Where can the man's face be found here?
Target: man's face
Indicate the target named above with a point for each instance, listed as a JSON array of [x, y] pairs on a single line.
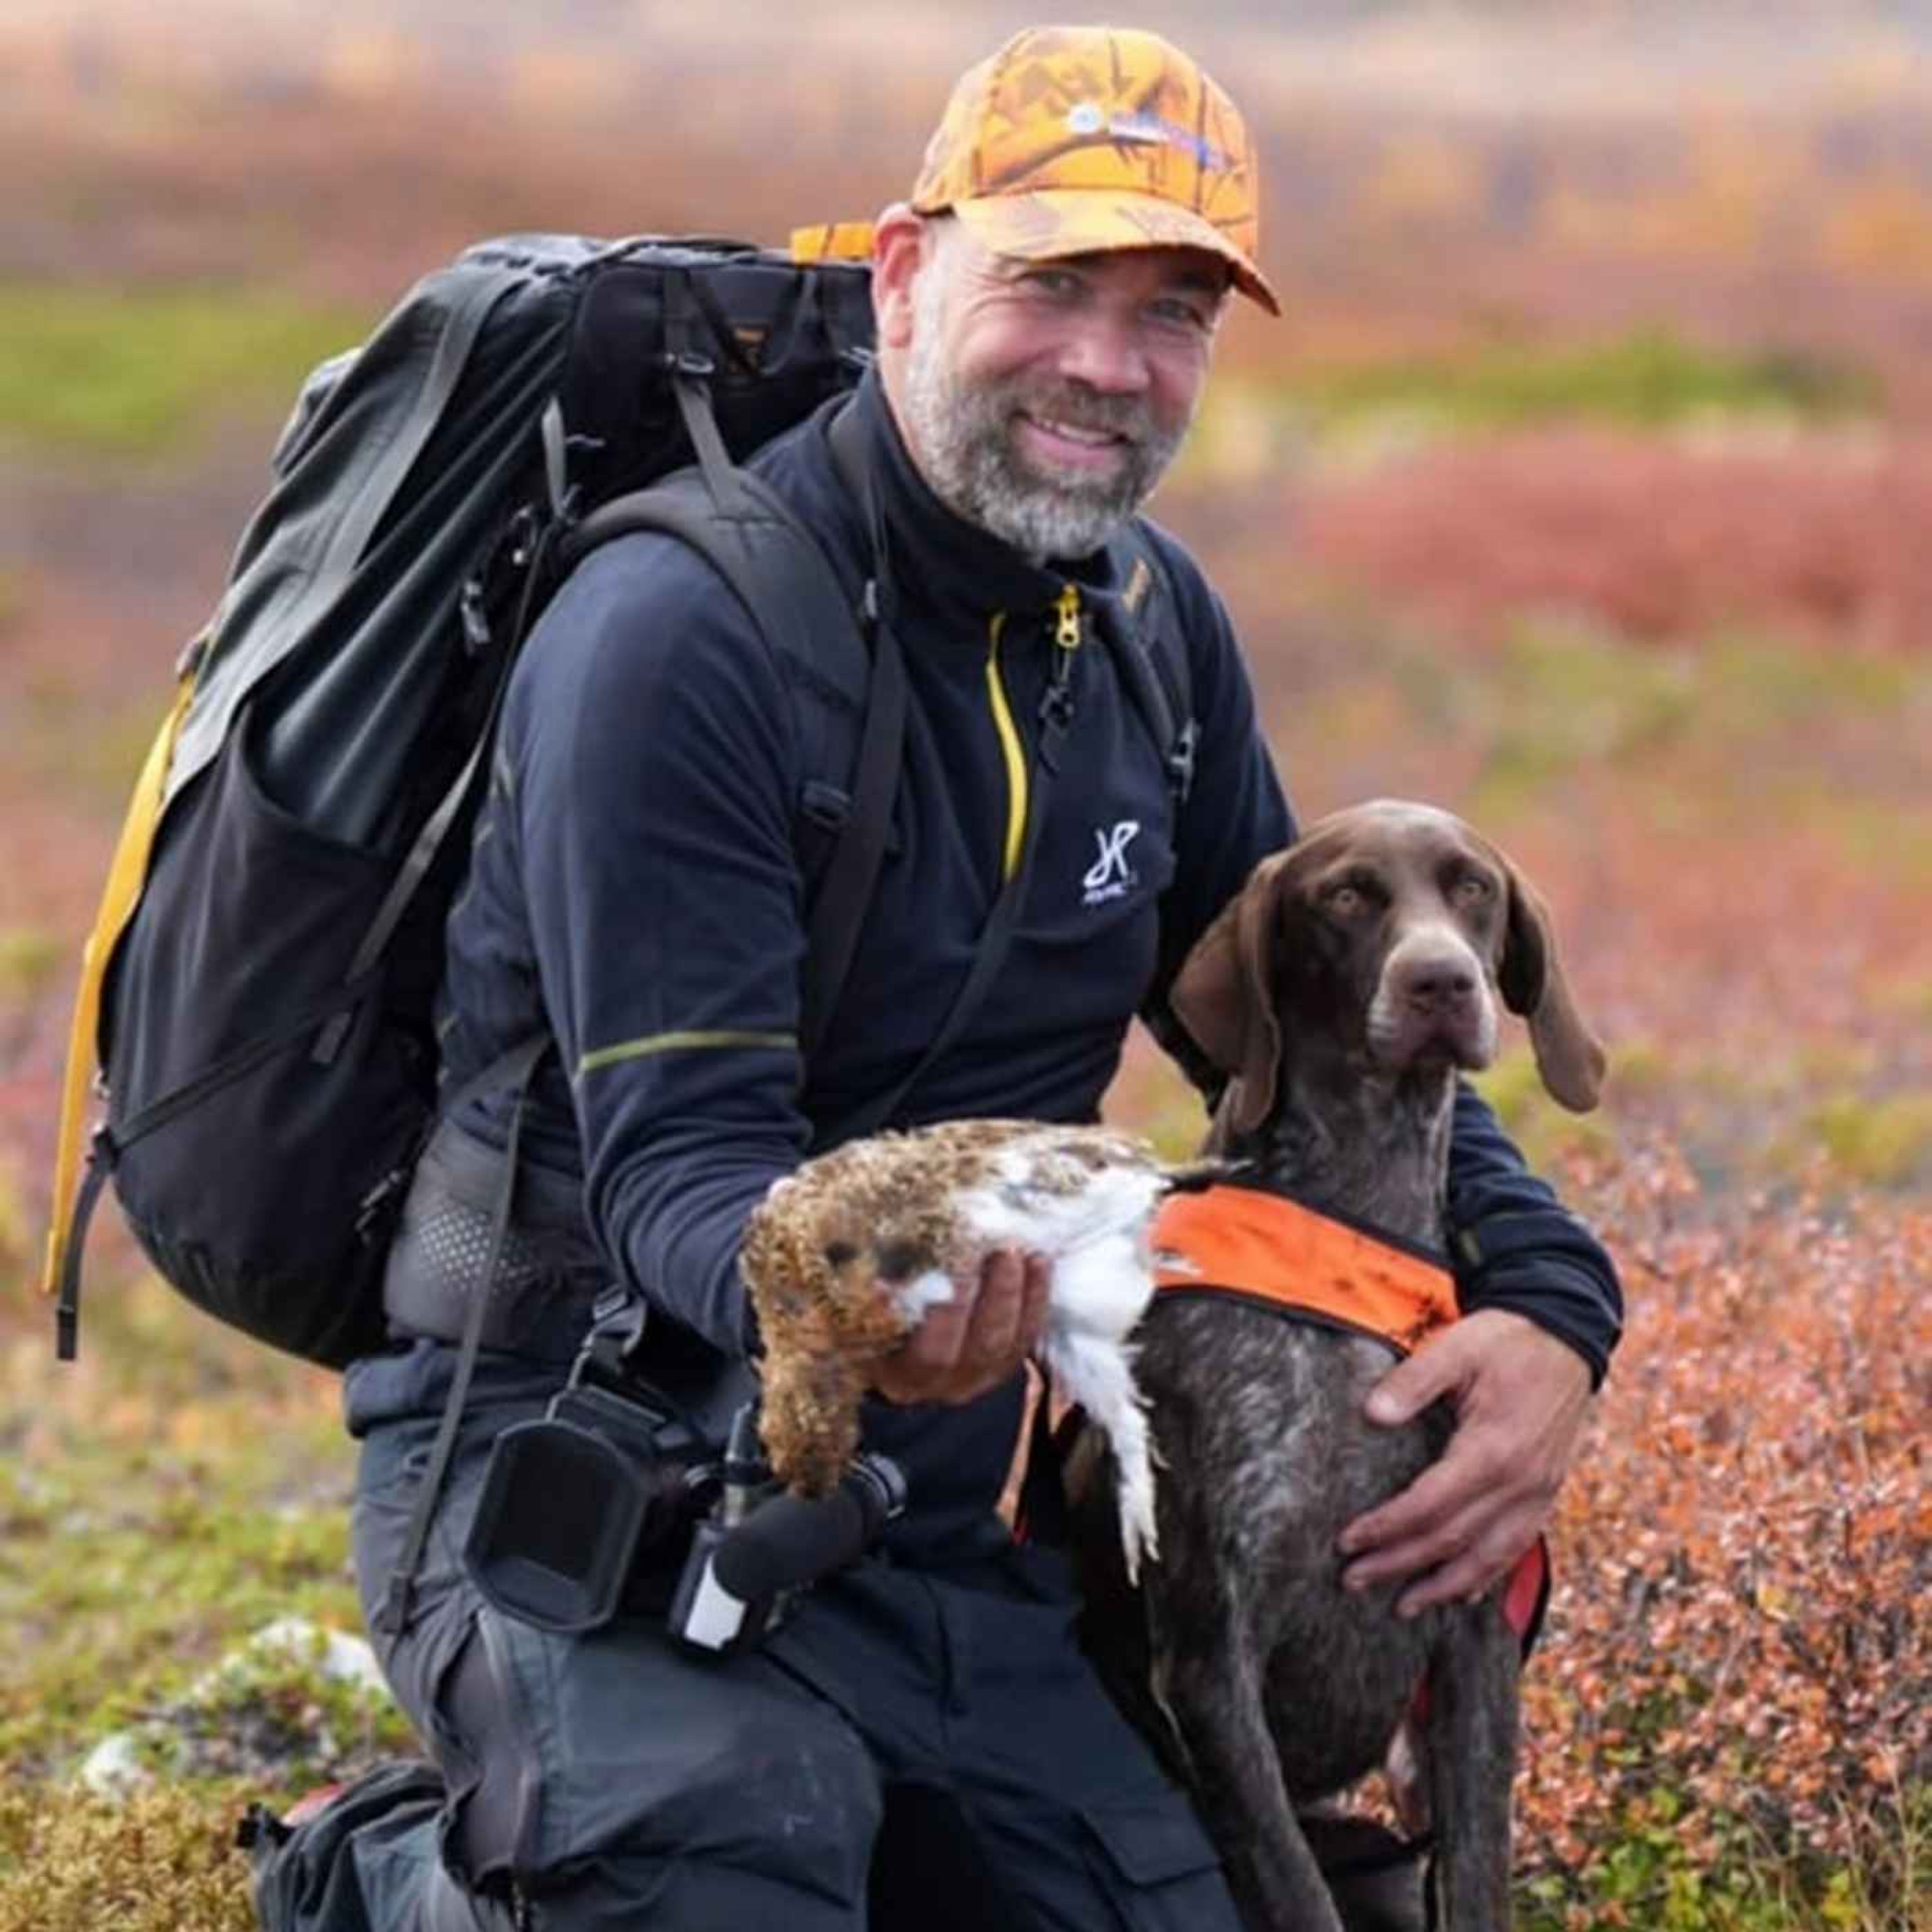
[[1044, 400]]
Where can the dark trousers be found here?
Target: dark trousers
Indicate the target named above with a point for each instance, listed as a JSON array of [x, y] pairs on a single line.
[[919, 1748]]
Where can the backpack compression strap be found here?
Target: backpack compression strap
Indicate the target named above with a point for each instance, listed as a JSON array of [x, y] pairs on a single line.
[[118, 898], [1152, 658]]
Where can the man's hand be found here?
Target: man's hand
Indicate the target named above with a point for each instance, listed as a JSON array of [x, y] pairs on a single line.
[[976, 1340], [1520, 1397]]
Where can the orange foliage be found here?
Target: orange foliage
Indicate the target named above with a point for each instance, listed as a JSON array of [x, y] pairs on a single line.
[[1745, 1548]]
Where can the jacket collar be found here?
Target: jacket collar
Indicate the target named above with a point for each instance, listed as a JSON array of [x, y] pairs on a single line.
[[949, 568]]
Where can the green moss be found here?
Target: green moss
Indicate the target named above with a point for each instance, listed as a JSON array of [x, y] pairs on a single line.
[[272, 1712], [31, 958], [165, 1861], [1909, 997], [1725, 1876], [1175, 1120], [1871, 1142], [120, 1585], [1546, 1132], [1876, 835], [1650, 379], [74, 743], [99, 371], [17, 1231], [1752, 682], [1641, 1068], [1561, 697]]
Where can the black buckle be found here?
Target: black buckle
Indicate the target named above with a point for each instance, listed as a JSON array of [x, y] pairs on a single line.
[[1180, 761], [617, 1319]]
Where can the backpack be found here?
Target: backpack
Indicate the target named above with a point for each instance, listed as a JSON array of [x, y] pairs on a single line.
[[258, 986]]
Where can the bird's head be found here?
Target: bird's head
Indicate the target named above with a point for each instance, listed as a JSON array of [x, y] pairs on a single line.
[[898, 1251]]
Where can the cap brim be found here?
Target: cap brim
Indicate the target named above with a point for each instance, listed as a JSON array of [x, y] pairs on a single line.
[[1050, 223]]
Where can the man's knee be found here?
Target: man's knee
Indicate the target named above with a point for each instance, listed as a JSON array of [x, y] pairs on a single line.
[[778, 1832], [770, 1805], [682, 1784]]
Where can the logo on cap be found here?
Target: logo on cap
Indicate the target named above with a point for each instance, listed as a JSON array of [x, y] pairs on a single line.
[[1088, 119]]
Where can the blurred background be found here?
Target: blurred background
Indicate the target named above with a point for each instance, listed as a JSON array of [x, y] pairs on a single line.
[[1585, 487]]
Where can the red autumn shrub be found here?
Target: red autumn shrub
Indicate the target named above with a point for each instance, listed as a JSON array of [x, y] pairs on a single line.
[[1738, 1642], [1822, 536]]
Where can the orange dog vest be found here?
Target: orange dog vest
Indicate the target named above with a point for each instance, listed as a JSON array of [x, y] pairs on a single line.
[[1234, 1242]]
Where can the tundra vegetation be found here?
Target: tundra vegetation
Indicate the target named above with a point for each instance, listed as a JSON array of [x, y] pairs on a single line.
[[1584, 491]]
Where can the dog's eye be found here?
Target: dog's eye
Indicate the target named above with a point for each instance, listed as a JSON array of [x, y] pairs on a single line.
[[840, 1254], [1471, 889], [1350, 898]]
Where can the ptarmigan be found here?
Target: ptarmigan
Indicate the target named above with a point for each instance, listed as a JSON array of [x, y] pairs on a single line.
[[844, 1258]]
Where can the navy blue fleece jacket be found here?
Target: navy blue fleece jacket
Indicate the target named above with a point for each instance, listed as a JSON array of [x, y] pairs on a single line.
[[637, 887]]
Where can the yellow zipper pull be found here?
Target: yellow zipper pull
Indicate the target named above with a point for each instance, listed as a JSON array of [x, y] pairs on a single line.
[[1066, 607]]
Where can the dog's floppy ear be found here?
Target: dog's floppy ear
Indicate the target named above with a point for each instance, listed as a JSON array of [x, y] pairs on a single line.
[[1531, 981], [1223, 994]]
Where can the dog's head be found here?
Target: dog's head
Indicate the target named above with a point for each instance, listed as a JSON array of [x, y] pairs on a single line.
[[1384, 934]]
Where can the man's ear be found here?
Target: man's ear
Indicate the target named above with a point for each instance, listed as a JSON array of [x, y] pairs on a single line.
[[901, 244]]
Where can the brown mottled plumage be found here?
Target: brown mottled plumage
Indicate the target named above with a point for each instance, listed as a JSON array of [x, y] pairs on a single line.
[[844, 1257]]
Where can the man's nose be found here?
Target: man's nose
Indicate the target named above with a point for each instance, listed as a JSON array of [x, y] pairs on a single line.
[[1106, 353]]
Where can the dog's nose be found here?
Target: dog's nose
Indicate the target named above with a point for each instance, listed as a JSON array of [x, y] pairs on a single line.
[[1437, 983]]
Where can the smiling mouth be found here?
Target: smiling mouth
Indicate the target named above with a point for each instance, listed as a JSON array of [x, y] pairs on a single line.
[[1072, 443]]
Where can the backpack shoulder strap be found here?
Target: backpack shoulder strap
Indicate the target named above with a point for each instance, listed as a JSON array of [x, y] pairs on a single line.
[[852, 716], [1153, 656]]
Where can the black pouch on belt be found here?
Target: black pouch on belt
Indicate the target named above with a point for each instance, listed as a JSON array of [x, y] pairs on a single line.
[[548, 1273]]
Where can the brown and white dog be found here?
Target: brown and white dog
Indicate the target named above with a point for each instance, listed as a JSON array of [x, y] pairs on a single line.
[[1353, 978]]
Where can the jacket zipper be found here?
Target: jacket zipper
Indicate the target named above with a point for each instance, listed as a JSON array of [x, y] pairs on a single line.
[[1066, 640], [1066, 617]]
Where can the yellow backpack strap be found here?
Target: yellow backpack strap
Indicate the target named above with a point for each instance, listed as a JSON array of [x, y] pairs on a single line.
[[832, 242], [117, 900]]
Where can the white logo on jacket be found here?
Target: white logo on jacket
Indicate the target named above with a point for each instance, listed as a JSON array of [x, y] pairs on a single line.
[[1110, 877]]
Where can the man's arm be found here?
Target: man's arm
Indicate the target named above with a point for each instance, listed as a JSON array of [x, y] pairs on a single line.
[[650, 748], [1542, 1310]]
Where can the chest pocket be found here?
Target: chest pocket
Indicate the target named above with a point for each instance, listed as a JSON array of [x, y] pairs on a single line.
[[1106, 853]]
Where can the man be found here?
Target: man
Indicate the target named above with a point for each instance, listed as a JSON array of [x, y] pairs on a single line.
[[922, 1741]]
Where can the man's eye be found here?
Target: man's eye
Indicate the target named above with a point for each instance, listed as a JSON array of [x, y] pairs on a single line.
[[1180, 313], [1056, 284]]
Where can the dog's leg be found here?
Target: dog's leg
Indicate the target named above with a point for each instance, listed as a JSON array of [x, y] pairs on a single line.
[[1214, 1688], [1472, 1751]]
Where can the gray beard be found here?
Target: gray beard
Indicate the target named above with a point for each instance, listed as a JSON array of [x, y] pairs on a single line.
[[964, 440]]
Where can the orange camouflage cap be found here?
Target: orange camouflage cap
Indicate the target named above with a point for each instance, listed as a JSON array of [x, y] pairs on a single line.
[[1078, 140]]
